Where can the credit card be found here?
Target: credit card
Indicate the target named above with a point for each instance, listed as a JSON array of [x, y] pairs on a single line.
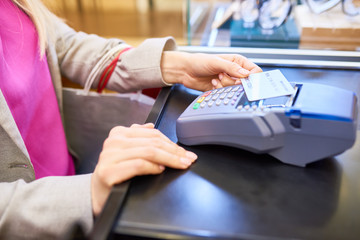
[[266, 85]]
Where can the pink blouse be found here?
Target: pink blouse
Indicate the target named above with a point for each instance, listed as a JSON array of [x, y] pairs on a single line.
[[26, 84]]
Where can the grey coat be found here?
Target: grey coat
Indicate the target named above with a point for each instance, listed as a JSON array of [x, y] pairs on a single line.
[[43, 209]]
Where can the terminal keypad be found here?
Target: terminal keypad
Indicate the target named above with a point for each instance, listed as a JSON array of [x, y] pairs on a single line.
[[235, 97], [228, 96]]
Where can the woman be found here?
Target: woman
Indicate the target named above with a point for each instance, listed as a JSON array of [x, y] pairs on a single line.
[[41, 196]]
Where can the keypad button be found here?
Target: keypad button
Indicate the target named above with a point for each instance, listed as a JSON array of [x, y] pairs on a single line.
[[196, 106], [230, 95], [203, 104], [208, 98], [221, 90], [236, 88], [228, 89], [218, 102], [206, 94], [223, 96], [226, 101], [200, 99], [215, 97], [214, 91], [211, 103]]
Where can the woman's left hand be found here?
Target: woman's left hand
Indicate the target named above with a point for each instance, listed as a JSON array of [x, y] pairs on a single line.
[[205, 71]]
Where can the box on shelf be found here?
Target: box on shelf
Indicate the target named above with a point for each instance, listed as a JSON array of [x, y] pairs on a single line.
[[329, 30]]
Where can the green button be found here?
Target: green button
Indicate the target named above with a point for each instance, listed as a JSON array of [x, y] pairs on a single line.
[[196, 106]]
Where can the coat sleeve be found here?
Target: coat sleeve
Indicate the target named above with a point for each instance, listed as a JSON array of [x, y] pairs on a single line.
[[45, 208], [136, 69]]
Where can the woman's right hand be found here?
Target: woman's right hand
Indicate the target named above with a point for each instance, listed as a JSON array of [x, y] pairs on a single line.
[[129, 152]]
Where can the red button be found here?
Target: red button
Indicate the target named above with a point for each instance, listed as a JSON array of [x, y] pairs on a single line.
[[206, 94]]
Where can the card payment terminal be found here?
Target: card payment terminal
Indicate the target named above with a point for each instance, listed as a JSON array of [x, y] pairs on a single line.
[[315, 122]]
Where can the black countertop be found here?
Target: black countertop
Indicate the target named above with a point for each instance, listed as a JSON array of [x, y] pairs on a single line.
[[230, 193]]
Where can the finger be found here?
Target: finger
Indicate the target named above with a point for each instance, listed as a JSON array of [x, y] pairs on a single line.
[[232, 68], [226, 80], [134, 132], [146, 125], [151, 154], [238, 81], [239, 59], [119, 143], [122, 171], [244, 68], [245, 63], [216, 83], [256, 69], [151, 138]]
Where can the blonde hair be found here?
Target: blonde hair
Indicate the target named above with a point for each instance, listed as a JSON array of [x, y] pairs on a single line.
[[40, 16]]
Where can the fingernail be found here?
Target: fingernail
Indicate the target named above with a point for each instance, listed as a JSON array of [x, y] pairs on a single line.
[[191, 155], [238, 82], [221, 76], [243, 71], [162, 167], [186, 161], [214, 82]]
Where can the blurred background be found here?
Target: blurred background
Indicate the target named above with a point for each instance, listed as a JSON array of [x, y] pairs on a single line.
[[130, 20], [308, 24]]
